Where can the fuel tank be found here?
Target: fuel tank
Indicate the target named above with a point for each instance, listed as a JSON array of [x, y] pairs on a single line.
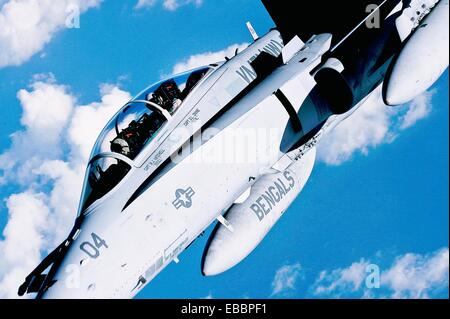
[[252, 220], [422, 60]]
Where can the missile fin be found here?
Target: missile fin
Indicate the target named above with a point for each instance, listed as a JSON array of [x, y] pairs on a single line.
[[225, 223]]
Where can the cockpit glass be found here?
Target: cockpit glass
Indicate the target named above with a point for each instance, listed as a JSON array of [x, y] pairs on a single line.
[[140, 120], [103, 174], [170, 94], [131, 130]]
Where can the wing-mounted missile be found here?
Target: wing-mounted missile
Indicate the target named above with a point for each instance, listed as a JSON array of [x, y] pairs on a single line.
[[425, 54], [251, 221]]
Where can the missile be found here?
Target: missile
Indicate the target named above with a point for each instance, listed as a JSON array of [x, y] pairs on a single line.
[[251, 221], [422, 60]]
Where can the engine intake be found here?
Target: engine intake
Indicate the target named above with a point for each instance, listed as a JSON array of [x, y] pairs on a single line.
[[335, 90]]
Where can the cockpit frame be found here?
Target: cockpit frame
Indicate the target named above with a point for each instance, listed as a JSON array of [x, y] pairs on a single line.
[[164, 112], [113, 155]]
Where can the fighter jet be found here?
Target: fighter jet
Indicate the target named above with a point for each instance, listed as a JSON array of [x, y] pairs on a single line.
[[235, 141]]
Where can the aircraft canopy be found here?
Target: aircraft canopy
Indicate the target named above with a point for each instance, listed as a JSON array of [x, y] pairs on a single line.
[[133, 128]]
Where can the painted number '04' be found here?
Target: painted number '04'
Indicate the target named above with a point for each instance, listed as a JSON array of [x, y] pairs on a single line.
[[92, 249]]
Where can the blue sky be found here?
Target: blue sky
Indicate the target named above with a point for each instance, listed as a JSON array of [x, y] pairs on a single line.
[[378, 194]]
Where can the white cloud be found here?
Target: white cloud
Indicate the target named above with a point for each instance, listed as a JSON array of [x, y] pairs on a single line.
[[47, 160], [285, 279], [145, 4], [88, 120], [170, 5], [341, 280], [66, 181], [24, 239], [371, 125], [409, 276], [206, 58], [418, 276], [47, 107], [418, 109], [26, 26], [173, 5], [367, 127]]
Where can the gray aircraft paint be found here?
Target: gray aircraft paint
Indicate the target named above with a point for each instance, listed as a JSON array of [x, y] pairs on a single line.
[[273, 195]]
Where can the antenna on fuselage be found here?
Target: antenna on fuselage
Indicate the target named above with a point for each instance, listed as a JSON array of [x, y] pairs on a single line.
[[252, 31]]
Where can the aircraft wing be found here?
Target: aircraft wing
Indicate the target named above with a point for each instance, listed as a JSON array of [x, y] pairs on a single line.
[[307, 18]]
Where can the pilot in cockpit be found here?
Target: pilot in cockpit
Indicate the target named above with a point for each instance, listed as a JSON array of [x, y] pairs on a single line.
[[168, 96], [192, 81], [131, 140]]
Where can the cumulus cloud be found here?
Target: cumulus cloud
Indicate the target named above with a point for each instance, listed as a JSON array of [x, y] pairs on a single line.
[[170, 5], [206, 58], [285, 279], [47, 107], [88, 120], [342, 280], [24, 238], [145, 4], [47, 160], [409, 276], [418, 109], [371, 125], [418, 276], [26, 26]]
